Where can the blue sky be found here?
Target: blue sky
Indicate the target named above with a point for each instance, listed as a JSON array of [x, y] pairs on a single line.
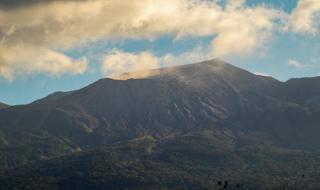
[[283, 54]]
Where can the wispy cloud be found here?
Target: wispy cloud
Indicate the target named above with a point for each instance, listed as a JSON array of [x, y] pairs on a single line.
[[138, 65], [118, 62], [263, 74], [295, 63]]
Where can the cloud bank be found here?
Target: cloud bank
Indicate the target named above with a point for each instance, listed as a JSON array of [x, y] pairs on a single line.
[[47, 28], [24, 61], [305, 17]]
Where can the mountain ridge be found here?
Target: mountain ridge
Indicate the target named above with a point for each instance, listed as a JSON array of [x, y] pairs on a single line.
[[2, 105], [211, 90], [226, 110], [159, 71]]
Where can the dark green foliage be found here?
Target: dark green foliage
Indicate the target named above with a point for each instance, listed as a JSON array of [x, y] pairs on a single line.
[[146, 164]]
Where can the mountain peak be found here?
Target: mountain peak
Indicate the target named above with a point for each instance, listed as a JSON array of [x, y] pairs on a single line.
[[211, 74]]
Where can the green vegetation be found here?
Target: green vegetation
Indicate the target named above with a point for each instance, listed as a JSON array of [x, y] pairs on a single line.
[[190, 162]]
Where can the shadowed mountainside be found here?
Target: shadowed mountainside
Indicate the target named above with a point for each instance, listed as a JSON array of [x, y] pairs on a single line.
[[211, 115], [2, 105]]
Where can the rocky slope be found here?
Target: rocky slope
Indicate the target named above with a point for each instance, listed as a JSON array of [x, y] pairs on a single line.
[[228, 111], [2, 105]]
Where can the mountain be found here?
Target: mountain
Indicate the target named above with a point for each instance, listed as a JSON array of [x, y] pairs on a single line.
[[210, 115], [2, 105], [304, 91]]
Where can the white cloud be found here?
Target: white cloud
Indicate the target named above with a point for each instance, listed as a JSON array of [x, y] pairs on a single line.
[[63, 25], [234, 4], [199, 53], [295, 63], [263, 74], [69, 23], [118, 62], [31, 35], [305, 17], [37, 61], [122, 65]]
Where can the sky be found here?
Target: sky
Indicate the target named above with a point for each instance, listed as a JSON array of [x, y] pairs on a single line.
[[62, 45]]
